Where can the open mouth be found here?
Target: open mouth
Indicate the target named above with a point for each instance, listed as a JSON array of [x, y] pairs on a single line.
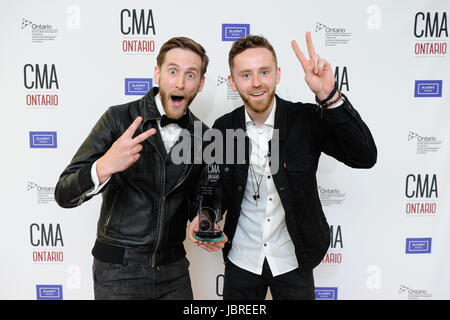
[[177, 101]]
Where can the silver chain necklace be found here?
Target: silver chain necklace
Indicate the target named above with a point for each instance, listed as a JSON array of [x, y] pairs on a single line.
[[256, 181]]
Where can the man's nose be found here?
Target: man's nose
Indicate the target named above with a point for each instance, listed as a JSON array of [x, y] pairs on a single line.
[[180, 82], [256, 81]]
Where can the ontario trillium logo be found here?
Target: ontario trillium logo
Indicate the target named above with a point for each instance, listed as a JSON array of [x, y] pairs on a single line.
[[230, 94], [221, 80], [40, 32], [44, 194], [412, 135], [31, 185], [414, 294], [334, 36], [425, 144], [403, 288], [319, 26], [25, 23]]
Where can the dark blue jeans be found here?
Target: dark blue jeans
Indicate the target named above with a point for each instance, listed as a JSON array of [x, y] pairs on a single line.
[[137, 279], [240, 284]]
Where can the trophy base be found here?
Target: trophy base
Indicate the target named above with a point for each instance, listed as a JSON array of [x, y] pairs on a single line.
[[210, 236]]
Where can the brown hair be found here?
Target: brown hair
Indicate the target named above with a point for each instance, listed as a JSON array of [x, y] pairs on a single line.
[[246, 43], [183, 43]]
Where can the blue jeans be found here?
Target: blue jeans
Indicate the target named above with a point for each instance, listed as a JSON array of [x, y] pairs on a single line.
[[137, 279]]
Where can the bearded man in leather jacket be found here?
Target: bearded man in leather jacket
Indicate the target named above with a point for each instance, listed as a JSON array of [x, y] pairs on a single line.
[[147, 198]]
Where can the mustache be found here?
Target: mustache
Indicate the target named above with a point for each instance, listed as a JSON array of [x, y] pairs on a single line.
[[177, 93], [253, 91]]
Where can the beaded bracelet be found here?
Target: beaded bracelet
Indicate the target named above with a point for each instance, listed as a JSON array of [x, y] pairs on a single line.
[[333, 102], [322, 102]]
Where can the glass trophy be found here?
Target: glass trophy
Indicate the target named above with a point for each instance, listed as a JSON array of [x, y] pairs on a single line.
[[210, 207]]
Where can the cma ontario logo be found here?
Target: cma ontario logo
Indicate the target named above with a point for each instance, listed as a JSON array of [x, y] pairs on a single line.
[[431, 33], [421, 191], [41, 84], [138, 31]]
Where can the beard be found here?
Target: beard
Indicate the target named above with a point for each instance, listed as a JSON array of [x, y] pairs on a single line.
[[167, 99], [259, 106]]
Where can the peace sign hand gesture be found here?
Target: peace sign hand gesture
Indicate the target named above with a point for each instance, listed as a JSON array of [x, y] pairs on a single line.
[[318, 73], [123, 152]]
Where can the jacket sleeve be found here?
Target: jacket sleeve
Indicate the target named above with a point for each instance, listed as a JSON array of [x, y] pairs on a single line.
[[344, 136], [75, 181]]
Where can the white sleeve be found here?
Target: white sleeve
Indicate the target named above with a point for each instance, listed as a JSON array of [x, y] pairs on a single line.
[[335, 105], [94, 178]]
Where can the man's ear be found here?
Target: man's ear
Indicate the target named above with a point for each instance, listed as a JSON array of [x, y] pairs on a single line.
[[232, 84], [156, 75], [202, 83], [278, 75]]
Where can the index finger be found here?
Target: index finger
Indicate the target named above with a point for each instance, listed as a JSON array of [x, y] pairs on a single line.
[[301, 57], [311, 50], [133, 127], [144, 136]]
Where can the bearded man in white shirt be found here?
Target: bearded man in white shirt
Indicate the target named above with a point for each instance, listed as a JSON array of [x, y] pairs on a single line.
[[277, 232]]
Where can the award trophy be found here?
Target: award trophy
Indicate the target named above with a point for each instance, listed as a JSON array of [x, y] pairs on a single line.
[[210, 212]]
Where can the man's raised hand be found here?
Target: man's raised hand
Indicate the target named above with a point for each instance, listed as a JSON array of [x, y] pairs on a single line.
[[318, 72], [123, 152]]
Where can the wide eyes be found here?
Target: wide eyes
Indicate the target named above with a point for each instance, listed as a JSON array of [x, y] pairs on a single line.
[[189, 75]]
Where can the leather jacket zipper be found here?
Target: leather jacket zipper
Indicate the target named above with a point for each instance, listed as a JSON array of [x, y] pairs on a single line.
[[163, 205], [161, 216], [162, 208], [81, 199], [158, 236]]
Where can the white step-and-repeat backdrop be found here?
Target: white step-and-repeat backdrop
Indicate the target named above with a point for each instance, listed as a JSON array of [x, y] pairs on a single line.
[[64, 62]]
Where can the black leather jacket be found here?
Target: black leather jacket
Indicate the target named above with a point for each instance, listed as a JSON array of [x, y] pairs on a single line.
[[147, 205]]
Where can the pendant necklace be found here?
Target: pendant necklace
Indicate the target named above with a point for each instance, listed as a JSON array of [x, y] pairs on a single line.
[[256, 181]]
